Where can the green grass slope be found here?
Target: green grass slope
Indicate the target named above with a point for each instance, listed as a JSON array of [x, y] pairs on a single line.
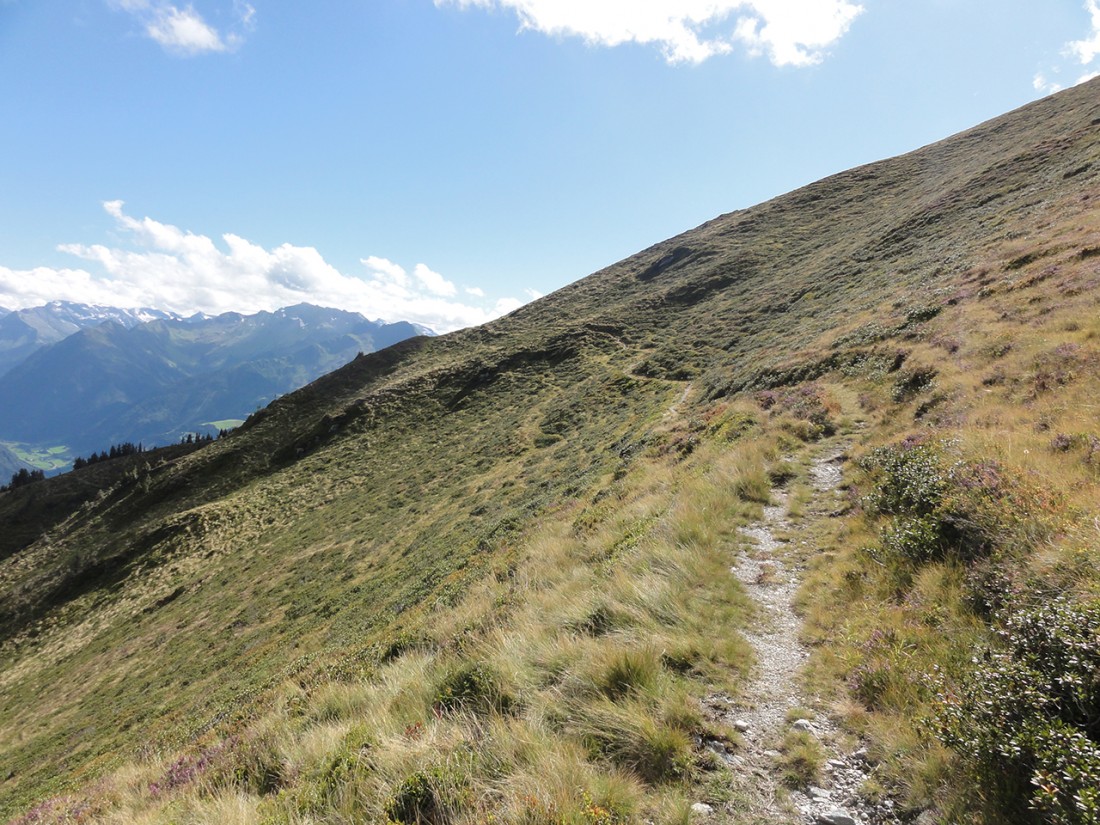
[[482, 577]]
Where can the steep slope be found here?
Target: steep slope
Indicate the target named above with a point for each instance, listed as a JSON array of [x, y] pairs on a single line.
[[154, 381], [486, 573]]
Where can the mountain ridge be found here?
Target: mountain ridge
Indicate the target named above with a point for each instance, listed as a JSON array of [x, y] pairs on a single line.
[[23, 332], [583, 465], [154, 381]]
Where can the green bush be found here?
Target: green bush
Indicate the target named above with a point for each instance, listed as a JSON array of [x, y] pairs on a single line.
[[319, 787], [964, 510], [416, 801], [473, 687], [914, 538], [1027, 720], [907, 479]]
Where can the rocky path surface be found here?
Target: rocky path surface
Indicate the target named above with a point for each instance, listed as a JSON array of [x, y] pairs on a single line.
[[773, 703]]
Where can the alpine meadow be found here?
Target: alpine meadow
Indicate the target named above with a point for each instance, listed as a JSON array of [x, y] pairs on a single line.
[[794, 517]]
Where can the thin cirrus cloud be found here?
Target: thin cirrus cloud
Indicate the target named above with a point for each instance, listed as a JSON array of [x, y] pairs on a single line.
[[788, 32], [182, 30], [165, 267]]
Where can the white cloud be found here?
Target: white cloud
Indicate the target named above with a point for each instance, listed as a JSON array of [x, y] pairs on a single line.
[[1044, 86], [1086, 50], [506, 305], [163, 266], [434, 282], [476, 291], [387, 272], [533, 294], [789, 32], [182, 30], [1085, 53]]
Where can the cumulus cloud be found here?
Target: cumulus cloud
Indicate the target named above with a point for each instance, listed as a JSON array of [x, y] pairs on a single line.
[[162, 266], [1087, 49], [182, 30], [434, 282], [1044, 86], [1084, 53], [789, 32]]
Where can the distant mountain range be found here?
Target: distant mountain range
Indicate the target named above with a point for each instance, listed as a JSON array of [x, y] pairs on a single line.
[[87, 377], [10, 464], [25, 331]]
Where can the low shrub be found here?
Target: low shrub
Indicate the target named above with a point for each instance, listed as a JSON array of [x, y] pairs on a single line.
[[416, 801], [474, 687], [907, 479], [912, 383], [914, 538], [951, 508], [1027, 719], [811, 404]]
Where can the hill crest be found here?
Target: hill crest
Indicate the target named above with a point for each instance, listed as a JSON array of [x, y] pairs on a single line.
[[519, 532]]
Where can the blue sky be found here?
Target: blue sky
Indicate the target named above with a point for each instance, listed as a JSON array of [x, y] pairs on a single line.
[[445, 161]]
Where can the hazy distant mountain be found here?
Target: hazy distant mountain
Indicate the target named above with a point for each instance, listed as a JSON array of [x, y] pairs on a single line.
[[25, 331], [10, 464], [153, 381]]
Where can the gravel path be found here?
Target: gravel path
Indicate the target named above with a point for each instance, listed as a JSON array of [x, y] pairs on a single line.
[[762, 717]]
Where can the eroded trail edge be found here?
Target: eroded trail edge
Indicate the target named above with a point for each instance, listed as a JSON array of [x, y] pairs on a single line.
[[772, 706]]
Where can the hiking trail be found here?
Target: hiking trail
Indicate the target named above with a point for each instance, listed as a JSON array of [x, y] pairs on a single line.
[[773, 703]]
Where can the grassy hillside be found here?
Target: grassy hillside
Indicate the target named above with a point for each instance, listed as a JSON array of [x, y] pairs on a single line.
[[484, 577]]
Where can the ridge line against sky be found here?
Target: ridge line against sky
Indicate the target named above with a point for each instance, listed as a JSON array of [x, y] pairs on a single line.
[[489, 137]]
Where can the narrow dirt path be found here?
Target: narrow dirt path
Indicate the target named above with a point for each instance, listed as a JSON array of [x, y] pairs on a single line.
[[680, 399], [773, 704]]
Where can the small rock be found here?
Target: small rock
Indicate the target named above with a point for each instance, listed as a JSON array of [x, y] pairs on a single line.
[[702, 809], [741, 725], [803, 724], [772, 754], [835, 763], [835, 818], [819, 793], [861, 755]]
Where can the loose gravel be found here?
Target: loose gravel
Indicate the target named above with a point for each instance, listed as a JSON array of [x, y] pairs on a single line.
[[763, 716]]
